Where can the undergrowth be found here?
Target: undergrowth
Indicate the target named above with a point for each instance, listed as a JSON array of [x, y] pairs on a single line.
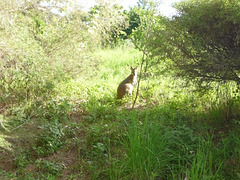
[[80, 130]]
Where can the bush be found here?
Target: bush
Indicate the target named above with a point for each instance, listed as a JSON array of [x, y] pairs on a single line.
[[191, 41]]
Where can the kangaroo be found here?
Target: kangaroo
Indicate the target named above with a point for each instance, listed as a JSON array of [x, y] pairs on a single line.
[[126, 86]]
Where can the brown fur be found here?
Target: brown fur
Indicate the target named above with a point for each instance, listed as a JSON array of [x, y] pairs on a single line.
[[126, 86]]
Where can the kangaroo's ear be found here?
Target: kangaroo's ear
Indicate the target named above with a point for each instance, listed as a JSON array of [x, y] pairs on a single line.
[[131, 68]]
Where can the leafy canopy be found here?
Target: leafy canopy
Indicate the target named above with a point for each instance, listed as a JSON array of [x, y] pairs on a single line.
[[203, 41]]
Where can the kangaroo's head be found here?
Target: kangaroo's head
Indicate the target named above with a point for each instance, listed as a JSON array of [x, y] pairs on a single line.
[[134, 71]]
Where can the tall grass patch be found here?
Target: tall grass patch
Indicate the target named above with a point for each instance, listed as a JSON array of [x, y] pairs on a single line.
[[154, 150]]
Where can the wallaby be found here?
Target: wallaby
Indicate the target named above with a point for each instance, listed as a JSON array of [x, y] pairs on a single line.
[[126, 86]]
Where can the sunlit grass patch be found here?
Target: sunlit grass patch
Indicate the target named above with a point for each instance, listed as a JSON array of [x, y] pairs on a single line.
[[4, 143]]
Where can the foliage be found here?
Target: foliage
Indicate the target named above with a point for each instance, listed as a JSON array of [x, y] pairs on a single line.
[[23, 68], [59, 114], [50, 139], [134, 21], [174, 133], [107, 22], [48, 169], [146, 12], [202, 41], [56, 110], [38, 49]]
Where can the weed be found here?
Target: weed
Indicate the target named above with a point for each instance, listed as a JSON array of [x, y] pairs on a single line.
[[57, 110], [50, 139], [23, 159], [48, 169], [7, 175]]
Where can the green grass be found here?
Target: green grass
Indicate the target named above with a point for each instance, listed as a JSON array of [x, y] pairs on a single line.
[[83, 132]]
